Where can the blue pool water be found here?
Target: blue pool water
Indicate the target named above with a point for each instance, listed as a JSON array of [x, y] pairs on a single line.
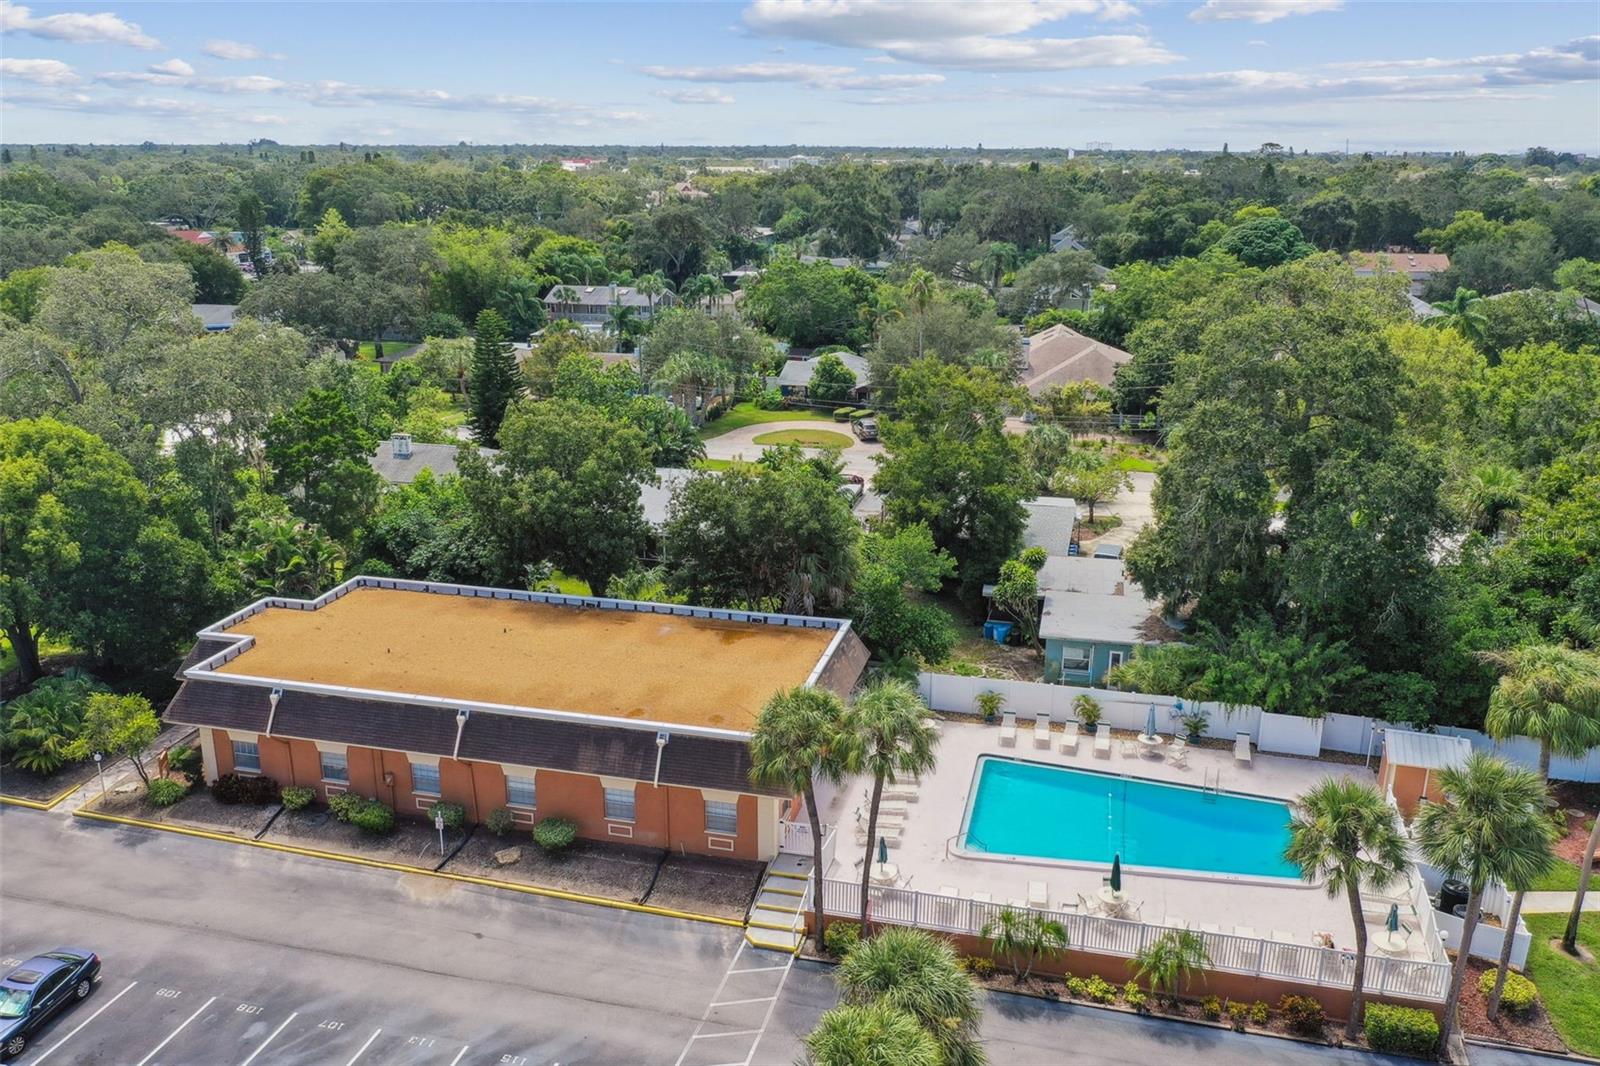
[[1050, 812]]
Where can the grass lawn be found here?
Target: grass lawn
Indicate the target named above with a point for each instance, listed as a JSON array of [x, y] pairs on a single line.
[[1564, 878], [806, 438], [748, 414], [47, 648], [1570, 989], [717, 464], [1138, 463], [571, 586], [368, 349]]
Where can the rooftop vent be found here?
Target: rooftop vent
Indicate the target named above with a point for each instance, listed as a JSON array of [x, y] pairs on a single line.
[[401, 445]]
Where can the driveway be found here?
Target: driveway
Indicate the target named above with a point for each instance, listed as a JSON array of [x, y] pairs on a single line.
[[1135, 508], [740, 444]]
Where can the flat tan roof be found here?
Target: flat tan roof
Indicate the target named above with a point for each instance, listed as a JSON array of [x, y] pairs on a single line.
[[623, 664]]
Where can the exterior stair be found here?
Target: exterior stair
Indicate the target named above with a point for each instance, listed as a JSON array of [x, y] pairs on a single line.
[[777, 920]]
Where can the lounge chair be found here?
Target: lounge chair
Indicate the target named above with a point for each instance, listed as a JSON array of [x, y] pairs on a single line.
[[1130, 749], [1008, 730], [1041, 729], [1281, 937], [1069, 737], [981, 897], [1038, 894], [1178, 757], [1248, 932], [948, 890], [1175, 921], [1241, 748], [1209, 927], [1102, 740]]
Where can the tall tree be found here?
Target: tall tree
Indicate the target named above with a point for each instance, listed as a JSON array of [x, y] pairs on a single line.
[[318, 452], [1345, 835], [1490, 826], [1549, 692], [495, 381], [251, 217], [918, 972], [899, 743], [803, 735]]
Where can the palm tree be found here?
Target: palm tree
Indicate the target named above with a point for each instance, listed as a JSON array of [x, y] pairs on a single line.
[[1549, 692], [566, 297], [1490, 493], [1345, 834], [899, 743], [1539, 866], [1488, 827], [1464, 311], [652, 285], [921, 287], [801, 735], [1569, 938], [1024, 935], [871, 1035], [625, 325], [1170, 959], [918, 973], [998, 258], [692, 374]]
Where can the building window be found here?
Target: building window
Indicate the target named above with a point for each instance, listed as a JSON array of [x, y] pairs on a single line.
[[1114, 661], [722, 818], [425, 778], [335, 767], [619, 804], [1074, 659], [246, 756], [520, 793]]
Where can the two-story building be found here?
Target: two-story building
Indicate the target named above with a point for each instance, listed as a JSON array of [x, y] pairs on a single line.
[[590, 305]]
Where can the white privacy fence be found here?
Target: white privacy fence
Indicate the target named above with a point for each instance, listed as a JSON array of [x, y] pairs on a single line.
[[795, 839], [1350, 733], [1299, 963]]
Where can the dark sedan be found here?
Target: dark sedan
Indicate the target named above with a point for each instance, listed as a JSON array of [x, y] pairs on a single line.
[[34, 992]]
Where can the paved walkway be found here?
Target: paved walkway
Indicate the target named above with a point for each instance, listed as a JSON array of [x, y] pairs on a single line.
[[1558, 902], [740, 444]]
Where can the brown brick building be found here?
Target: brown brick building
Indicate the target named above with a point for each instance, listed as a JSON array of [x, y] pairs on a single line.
[[632, 719]]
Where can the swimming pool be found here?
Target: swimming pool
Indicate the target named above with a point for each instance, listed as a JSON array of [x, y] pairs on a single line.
[[1051, 812]]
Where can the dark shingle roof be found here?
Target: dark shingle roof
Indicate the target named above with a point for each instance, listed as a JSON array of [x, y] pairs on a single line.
[[204, 648]]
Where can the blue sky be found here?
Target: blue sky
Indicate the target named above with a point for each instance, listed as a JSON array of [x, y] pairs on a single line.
[[1307, 73]]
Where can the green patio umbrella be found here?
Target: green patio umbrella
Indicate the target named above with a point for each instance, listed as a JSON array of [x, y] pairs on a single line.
[[1150, 722], [1392, 923], [1116, 872], [883, 850]]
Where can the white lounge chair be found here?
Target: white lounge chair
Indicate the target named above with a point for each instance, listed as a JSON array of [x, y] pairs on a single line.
[[1038, 894], [981, 897], [1178, 757], [1248, 932], [1102, 740], [1008, 729], [1209, 927], [1041, 729], [1241, 748], [948, 890], [1175, 921], [1069, 737], [902, 793], [1130, 749]]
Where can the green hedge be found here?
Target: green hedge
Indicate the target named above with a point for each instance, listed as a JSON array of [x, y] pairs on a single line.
[[1518, 996], [840, 937], [555, 835], [296, 798], [454, 814], [1406, 1030], [164, 792], [500, 821]]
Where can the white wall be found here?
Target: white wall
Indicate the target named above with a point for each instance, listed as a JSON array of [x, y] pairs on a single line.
[[1350, 733]]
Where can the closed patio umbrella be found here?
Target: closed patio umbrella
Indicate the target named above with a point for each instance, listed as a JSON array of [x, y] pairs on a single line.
[[1150, 722], [1116, 872], [883, 850], [1392, 923]]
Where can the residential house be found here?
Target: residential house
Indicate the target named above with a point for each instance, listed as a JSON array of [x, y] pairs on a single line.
[[1418, 267], [591, 304], [794, 379], [1421, 309], [1060, 355], [631, 719], [399, 460], [1051, 520], [1066, 239], [579, 163], [216, 318]]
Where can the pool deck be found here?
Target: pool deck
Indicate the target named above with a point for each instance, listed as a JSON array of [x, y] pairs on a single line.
[[928, 862]]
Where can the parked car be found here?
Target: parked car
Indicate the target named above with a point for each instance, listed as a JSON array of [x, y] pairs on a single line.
[[1108, 551], [36, 991], [865, 428], [852, 488]]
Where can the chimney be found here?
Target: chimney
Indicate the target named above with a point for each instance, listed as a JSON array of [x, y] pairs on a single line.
[[400, 443]]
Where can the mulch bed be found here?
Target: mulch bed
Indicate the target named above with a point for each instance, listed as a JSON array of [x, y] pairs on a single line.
[[197, 810], [1531, 1030], [705, 885], [610, 871], [1570, 847], [413, 842], [42, 788]]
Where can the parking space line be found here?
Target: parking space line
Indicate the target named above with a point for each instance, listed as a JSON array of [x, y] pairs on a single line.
[[358, 1054], [736, 1002], [262, 1046], [176, 1031], [460, 1053], [736, 1032], [83, 1023], [759, 969]]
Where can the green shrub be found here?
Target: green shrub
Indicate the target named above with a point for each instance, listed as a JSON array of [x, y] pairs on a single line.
[[500, 821], [1135, 997], [1260, 1013], [297, 798], [38, 727], [164, 792], [842, 414], [989, 704], [251, 790], [454, 814], [1303, 1015], [1236, 1013], [1095, 989], [1519, 994], [344, 804], [1088, 709], [185, 760], [555, 835], [1034, 558], [767, 400], [1211, 1008], [965, 668], [840, 937], [1406, 1030], [373, 817], [979, 966]]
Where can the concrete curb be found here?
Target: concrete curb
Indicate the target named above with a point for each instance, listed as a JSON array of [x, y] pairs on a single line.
[[485, 882], [41, 805]]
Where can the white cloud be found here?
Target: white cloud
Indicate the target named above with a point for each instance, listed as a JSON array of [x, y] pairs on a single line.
[[801, 72], [695, 96], [980, 37], [175, 67], [1577, 60], [1260, 11], [235, 50], [1257, 43], [74, 26], [38, 71], [246, 83]]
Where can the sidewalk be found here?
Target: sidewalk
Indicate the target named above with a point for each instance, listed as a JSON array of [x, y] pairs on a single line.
[[1558, 902]]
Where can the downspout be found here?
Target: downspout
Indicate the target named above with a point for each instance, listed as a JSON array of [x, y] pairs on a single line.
[[461, 724], [272, 708], [661, 746]]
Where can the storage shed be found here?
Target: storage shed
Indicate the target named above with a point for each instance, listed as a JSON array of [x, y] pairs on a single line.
[[1411, 762]]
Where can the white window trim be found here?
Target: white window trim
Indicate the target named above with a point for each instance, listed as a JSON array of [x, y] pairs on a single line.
[[531, 776], [423, 791], [725, 833], [321, 751], [233, 753], [337, 749], [632, 793]]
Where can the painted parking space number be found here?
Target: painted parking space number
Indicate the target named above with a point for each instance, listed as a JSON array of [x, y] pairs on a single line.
[[514, 1060], [420, 1041], [249, 1008], [169, 993], [330, 1025]]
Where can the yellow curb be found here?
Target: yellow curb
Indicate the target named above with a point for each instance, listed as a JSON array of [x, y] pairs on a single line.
[[37, 805], [770, 887], [793, 949], [791, 876], [532, 890]]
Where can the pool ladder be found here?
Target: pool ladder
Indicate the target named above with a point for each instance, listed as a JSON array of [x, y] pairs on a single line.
[[1212, 785]]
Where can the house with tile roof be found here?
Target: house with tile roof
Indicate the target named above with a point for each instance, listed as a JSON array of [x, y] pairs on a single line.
[[1061, 355]]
